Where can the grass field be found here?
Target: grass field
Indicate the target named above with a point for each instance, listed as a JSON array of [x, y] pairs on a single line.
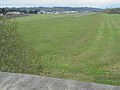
[[78, 47]]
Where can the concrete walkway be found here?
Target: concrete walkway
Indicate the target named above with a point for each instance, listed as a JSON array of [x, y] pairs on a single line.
[[11, 81]]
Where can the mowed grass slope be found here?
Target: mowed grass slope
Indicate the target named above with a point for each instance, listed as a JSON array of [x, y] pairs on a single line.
[[85, 48]]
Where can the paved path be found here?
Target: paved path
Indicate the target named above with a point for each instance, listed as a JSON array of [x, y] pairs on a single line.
[[11, 81]]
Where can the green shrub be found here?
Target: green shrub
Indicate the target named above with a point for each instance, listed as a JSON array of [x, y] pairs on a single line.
[[16, 55]]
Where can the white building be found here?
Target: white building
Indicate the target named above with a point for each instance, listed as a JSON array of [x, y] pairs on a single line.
[[13, 13], [44, 12]]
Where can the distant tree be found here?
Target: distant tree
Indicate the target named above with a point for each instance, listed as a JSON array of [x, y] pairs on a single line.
[[112, 11], [0, 10], [3, 11]]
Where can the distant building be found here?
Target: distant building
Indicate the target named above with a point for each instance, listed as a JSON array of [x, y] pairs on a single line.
[[57, 12], [66, 12], [44, 12], [69, 12], [73, 12], [13, 13]]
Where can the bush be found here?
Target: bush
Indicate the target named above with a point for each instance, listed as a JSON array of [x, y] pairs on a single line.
[[16, 55]]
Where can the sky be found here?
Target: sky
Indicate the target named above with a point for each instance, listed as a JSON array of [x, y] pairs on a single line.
[[63, 3]]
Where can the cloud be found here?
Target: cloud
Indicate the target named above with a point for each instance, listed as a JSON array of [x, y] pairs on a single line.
[[94, 3]]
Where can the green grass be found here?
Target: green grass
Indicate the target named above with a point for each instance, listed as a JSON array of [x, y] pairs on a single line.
[[85, 48]]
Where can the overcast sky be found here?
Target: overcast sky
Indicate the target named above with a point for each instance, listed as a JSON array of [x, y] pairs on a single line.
[[75, 3]]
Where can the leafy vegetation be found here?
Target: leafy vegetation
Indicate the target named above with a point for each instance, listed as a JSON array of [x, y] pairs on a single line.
[[16, 55], [112, 11], [82, 46]]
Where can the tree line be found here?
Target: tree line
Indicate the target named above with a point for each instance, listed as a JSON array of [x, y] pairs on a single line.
[[112, 11], [34, 10]]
